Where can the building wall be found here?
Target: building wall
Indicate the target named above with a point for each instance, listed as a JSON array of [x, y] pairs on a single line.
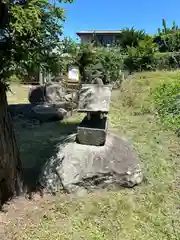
[[86, 38], [100, 38]]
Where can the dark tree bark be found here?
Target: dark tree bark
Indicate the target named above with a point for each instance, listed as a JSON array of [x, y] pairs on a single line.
[[10, 164]]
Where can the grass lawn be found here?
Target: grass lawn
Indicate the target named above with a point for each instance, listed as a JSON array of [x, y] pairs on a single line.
[[149, 211]]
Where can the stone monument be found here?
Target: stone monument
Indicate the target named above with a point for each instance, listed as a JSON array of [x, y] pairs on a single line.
[[92, 158], [94, 101]]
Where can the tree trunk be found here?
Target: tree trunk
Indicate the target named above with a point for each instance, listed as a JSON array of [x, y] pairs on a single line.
[[10, 164]]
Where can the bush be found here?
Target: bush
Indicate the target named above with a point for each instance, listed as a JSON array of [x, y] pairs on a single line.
[[168, 42], [157, 61], [167, 103], [166, 61], [101, 62], [111, 63], [141, 57]]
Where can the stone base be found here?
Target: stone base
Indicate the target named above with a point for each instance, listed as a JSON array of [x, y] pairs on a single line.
[[77, 168], [92, 132], [43, 112]]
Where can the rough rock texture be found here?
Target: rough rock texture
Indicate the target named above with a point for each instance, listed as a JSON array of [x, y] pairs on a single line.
[[93, 131], [49, 111], [36, 94], [51, 93], [41, 112], [94, 98], [79, 167], [54, 93]]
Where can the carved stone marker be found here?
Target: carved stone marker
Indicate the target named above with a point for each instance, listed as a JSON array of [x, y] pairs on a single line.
[[94, 100]]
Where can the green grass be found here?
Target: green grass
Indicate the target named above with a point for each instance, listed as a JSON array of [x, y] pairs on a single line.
[[18, 94], [149, 211]]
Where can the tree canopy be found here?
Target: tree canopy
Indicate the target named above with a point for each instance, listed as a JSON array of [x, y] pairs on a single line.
[[29, 32]]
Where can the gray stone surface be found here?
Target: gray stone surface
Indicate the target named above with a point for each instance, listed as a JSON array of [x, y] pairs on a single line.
[[52, 93], [94, 98], [50, 111], [36, 94], [42, 112], [92, 132], [77, 167]]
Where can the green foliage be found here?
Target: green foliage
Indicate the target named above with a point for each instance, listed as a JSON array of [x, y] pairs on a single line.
[[166, 61], [140, 57], [69, 46], [112, 64], [85, 57], [165, 30], [30, 36], [130, 37], [169, 42], [167, 102], [168, 39], [99, 62]]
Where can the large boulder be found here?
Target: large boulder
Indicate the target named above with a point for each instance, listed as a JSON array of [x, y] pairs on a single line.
[[36, 94], [53, 94], [77, 167], [43, 112], [49, 112]]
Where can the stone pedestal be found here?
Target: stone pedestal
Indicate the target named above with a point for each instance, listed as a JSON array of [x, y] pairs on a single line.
[[94, 100], [92, 131]]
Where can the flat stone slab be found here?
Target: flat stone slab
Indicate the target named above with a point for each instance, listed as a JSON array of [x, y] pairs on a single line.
[[94, 98], [78, 168], [47, 108], [92, 132]]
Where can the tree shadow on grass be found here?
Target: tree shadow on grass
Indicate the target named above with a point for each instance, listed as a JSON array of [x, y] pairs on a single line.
[[37, 143]]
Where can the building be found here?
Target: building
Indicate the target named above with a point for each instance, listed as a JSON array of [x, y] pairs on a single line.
[[104, 38]]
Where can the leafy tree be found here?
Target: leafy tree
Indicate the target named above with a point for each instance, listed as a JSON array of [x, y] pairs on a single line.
[[141, 57], [130, 37], [85, 57], [69, 46], [29, 30], [168, 39], [99, 62], [38, 51]]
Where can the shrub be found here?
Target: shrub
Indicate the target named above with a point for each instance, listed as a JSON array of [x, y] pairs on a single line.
[[166, 61], [130, 37], [168, 42], [111, 62], [151, 62], [101, 62], [167, 103], [141, 57]]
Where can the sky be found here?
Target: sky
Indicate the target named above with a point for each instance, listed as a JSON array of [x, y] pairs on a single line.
[[117, 14]]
